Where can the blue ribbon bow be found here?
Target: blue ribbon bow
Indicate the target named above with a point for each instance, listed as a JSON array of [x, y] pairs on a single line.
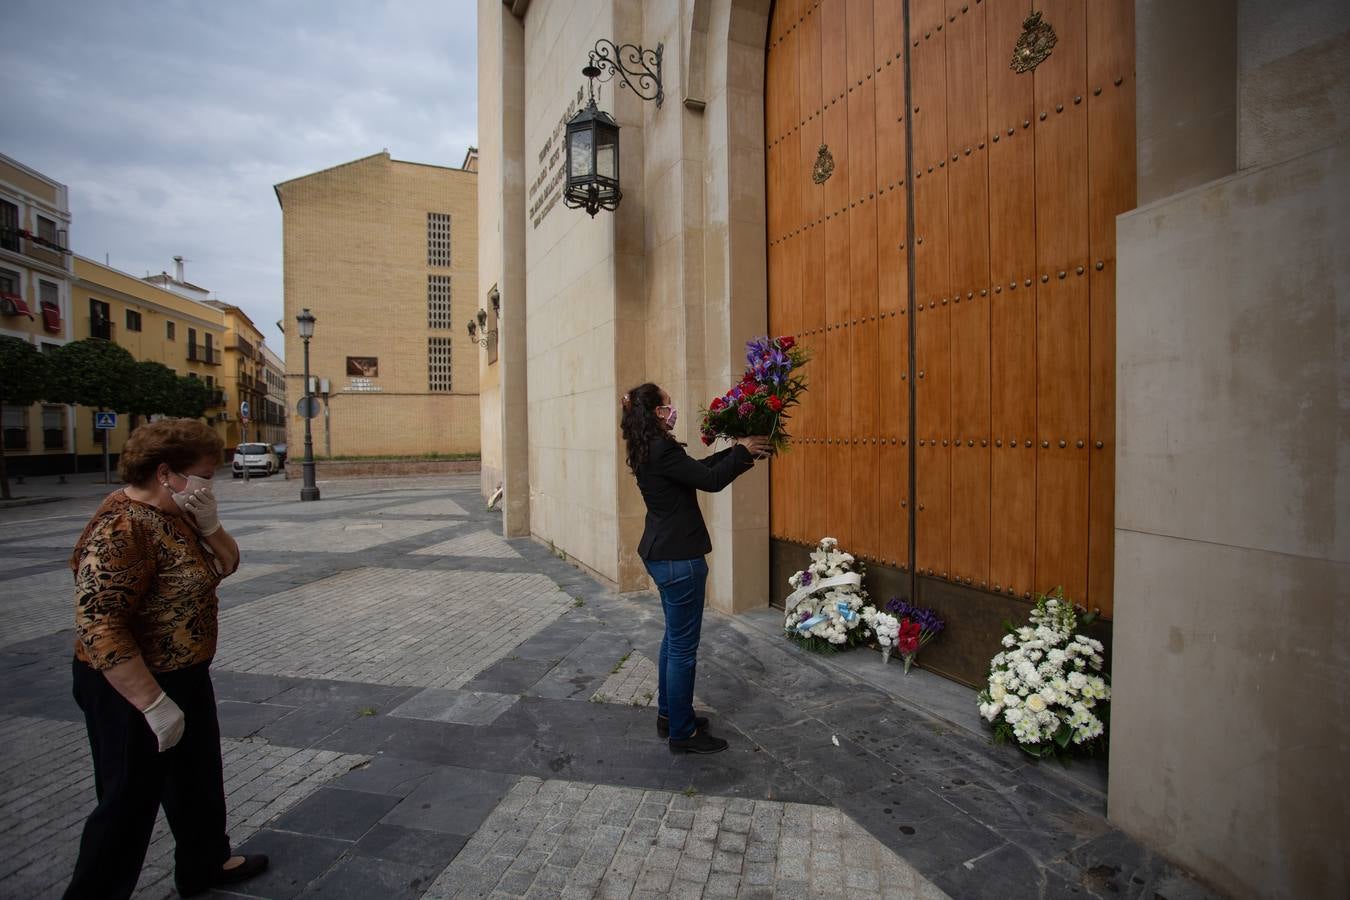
[[846, 611]]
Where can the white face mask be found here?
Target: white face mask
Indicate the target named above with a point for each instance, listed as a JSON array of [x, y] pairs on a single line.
[[194, 483]]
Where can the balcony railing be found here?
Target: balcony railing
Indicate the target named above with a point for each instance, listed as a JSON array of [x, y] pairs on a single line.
[[203, 354], [244, 346], [216, 398], [21, 240], [100, 327]]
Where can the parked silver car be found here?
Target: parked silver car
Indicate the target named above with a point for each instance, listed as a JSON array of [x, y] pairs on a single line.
[[261, 459]]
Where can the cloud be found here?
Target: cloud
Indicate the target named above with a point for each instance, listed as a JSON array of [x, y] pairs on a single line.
[[171, 121]]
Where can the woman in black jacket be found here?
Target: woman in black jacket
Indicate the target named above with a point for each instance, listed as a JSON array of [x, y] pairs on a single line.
[[673, 545]]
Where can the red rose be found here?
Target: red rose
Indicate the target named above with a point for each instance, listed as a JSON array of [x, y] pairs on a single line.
[[716, 404], [776, 403], [707, 440], [910, 633], [787, 342]]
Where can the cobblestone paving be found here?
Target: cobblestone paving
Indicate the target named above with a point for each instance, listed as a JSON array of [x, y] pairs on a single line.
[[572, 840], [422, 627], [335, 536], [479, 543], [35, 605], [439, 506], [634, 683], [47, 790]]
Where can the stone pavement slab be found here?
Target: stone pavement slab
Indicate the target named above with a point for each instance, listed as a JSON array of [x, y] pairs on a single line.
[[349, 615], [571, 839], [389, 626]]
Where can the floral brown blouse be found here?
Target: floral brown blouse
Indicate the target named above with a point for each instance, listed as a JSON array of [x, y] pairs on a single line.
[[144, 586]]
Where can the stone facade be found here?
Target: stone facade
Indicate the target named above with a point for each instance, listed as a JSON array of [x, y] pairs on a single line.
[[667, 288], [364, 243], [1232, 557]]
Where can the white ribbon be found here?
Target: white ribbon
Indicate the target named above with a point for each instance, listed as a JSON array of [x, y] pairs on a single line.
[[797, 596]]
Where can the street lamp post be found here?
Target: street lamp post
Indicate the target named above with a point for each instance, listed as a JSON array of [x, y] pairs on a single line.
[[310, 491]]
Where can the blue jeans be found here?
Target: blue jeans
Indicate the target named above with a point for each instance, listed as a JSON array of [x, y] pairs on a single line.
[[681, 583]]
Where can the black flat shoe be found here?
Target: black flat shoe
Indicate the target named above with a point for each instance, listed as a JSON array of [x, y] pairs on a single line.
[[254, 864], [701, 742], [663, 724]]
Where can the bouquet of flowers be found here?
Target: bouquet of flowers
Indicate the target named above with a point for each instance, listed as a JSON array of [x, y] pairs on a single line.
[[758, 404], [917, 626], [828, 608], [1047, 690]]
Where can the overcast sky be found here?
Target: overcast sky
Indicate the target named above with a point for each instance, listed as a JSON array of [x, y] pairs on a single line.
[[170, 120]]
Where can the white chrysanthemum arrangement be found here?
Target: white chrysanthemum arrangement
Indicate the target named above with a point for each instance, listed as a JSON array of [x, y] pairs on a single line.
[[1047, 688], [828, 608]]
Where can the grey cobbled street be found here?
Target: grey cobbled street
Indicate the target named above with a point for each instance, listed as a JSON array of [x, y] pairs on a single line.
[[413, 706]]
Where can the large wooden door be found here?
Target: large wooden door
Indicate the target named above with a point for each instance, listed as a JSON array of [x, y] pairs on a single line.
[[954, 279]]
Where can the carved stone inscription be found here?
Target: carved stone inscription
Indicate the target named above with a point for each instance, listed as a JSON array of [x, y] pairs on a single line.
[[546, 189]]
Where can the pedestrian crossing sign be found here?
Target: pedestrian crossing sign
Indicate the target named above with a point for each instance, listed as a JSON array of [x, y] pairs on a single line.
[[105, 421]]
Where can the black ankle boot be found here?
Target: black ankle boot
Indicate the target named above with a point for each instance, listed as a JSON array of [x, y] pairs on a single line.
[[701, 742], [663, 724]]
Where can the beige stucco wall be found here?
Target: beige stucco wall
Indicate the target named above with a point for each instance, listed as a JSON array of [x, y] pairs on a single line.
[[667, 288], [1229, 718], [355, 254]]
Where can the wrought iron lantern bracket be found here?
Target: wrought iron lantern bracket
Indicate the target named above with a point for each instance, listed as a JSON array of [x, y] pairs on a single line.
[[638, 68]]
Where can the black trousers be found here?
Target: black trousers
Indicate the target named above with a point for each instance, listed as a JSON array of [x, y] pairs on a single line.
[[132, 778]]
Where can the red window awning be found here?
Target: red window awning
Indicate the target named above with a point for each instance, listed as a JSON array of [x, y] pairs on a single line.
[[14, 305], [51, 317]]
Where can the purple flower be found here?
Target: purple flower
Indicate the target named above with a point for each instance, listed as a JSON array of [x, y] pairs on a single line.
[[746, 408], [928, 619], [806, 578]]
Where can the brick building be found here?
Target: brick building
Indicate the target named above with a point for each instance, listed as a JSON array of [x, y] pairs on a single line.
[[384, 253]]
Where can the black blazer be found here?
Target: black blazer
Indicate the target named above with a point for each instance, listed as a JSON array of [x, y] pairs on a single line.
[[669, 481]]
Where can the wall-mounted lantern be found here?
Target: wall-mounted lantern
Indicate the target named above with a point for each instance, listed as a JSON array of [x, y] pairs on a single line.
[[592, 134], [478, 331]]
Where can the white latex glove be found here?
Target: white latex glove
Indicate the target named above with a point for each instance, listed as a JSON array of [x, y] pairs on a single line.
[[201, 504], [165, 720]]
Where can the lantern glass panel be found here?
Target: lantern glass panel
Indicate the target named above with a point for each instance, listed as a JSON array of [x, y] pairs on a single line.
[[580, 154], [607, 155]]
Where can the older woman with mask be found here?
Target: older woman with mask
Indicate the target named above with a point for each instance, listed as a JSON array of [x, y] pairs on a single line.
[[146, 570]]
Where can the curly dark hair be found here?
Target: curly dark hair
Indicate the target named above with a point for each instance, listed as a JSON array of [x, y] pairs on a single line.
[[180, 443], [640, 423]]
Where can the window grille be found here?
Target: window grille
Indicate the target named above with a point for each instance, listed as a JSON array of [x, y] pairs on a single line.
[[438, 364], [438, 301], [438, 239]]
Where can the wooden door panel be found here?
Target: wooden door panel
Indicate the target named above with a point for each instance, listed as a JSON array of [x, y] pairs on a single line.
[[892, 259], [1012, 547], [861, 42], [970, 518], [932, 514], [1061, 520], [1015, 181], [1112, 189], [833, 50], [862, 132], [893, 507], [865, 511]]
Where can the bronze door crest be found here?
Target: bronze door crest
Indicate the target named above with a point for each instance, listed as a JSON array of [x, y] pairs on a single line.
[[1034, 45], [824, 167]]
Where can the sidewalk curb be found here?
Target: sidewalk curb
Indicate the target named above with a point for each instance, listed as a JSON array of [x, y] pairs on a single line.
[[16, 502]]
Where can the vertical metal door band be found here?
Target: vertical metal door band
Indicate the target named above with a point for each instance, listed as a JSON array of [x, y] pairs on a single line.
[[913, 504]]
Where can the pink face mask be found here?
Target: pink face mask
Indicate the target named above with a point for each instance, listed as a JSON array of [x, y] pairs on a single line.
[[671, 414]]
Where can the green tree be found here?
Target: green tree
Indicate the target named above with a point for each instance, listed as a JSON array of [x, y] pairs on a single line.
[[94, 373], [23, 382], [191, 398], [156, 390]]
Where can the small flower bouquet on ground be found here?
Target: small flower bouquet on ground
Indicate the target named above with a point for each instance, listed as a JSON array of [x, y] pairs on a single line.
[[758, 404], [1047, 689], [918, 625], [827, 609]]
